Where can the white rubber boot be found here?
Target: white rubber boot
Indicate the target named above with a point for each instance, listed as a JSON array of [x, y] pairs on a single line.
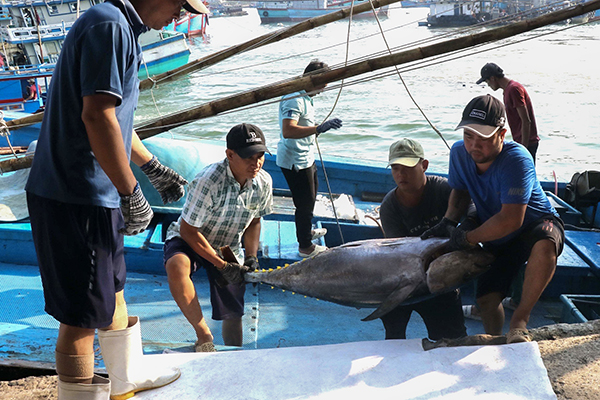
[[99, 389], [129, 371]]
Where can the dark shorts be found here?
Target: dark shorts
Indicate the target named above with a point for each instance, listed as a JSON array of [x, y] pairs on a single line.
[[80, 256], [511, 256], [442, 315], [227, 301]]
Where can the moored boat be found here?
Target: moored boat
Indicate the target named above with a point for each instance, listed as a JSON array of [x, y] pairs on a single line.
[[189, 24], [301, 10], [32, 34], [162, 51]]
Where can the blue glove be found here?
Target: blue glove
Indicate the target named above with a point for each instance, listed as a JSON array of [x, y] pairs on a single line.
[[136, 211], [168, 183], [334, 123], [444, 228]]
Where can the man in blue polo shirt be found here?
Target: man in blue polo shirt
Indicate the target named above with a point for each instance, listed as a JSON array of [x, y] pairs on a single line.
[[82, 197], [518, 222]]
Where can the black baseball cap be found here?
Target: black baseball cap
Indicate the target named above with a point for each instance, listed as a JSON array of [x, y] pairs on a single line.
[[195, 7], [484, 115], [489, 70], [246, 140]]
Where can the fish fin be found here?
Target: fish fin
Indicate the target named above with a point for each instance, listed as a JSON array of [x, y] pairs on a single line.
[[392, 301]]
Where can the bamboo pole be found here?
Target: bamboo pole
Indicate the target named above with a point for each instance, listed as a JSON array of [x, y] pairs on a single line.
[[310, 82], [260, 41], [25, 121]]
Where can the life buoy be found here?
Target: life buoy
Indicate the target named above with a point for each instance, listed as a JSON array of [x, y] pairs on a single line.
[[265, 13]]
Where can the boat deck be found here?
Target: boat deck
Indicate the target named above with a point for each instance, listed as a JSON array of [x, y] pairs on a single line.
[[273, 319]]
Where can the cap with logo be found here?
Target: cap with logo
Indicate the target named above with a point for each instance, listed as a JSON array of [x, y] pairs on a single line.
[[246, 140], [195, 7], [489, 70], [484, 115], [406, 152]]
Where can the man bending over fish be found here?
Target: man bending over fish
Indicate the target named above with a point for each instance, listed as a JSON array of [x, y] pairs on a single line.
[[518, 222], [416, 204], [224, 204]]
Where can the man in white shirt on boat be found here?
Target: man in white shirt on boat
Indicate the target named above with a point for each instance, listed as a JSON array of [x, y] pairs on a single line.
[[295, 157], [224, 206]]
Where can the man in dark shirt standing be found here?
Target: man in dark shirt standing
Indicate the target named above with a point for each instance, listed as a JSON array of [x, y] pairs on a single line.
[[418, 203]]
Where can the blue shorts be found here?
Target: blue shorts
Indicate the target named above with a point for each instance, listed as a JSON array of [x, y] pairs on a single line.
[[511, 256], [227, 301], [80, 256]]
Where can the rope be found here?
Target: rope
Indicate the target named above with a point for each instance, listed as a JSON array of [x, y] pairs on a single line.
[[5, 132], [337, 221]]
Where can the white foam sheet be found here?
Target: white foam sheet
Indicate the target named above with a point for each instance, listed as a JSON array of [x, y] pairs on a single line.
[[392, 369]]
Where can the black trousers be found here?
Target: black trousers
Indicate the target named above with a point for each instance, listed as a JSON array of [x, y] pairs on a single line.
[[303, 184], [442, 315]]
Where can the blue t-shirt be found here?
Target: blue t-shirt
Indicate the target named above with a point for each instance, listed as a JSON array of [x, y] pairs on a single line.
[[511, 179], [299, 152], [101, 54]]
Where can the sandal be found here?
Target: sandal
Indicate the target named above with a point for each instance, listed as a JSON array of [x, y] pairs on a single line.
[[206, 347], [468, 312], [518, 335]]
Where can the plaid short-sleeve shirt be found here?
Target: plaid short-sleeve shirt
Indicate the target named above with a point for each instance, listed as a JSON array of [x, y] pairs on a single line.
[[221, 209]]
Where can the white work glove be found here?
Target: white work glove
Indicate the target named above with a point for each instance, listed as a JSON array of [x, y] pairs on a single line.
[[136, 212]]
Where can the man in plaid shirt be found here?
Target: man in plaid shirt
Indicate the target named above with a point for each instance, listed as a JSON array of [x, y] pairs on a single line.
[[224, 205]]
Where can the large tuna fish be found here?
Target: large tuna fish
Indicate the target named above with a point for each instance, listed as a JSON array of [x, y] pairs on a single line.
[[378, 273]]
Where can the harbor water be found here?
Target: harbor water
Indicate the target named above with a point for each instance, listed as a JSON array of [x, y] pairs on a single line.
[[557, 64]]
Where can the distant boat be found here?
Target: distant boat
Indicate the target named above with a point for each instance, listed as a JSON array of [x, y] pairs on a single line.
[[415, 3], [32, 36], [190, 24], [14, 86], [162, 51], [452, 13], [300, 10], [220, 8]]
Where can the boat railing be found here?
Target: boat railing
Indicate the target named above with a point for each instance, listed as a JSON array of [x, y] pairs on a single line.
[[25, 33], [25, 71]]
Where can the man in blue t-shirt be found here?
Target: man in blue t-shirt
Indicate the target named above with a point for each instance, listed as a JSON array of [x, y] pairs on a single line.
[[518, 223], [83, 197]]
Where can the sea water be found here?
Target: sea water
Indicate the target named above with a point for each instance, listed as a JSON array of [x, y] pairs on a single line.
[[559, 68]]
